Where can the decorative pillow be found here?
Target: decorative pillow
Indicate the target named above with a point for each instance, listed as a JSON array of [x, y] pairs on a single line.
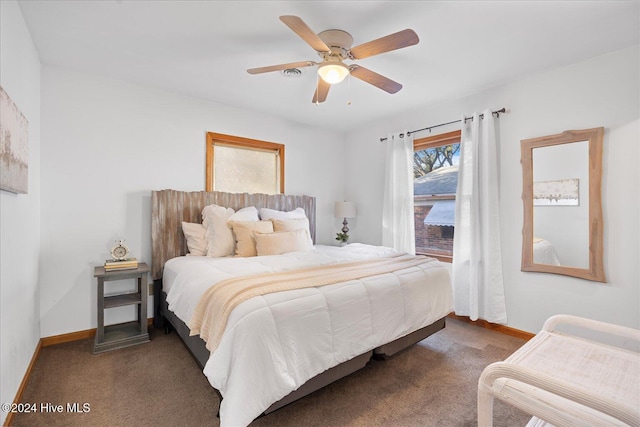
[[245, 214], [245, 239], [292, 225], [220, 241], [282, 242], [196, 235], [266, 214]]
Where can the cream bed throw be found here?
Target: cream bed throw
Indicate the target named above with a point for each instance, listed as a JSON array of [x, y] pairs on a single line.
[[212, 312]]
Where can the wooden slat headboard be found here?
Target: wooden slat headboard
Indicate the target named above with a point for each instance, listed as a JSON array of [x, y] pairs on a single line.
[[170, 207]]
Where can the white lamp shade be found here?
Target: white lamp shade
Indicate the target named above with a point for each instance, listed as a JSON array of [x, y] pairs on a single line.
[[333, 73], [345, 210]]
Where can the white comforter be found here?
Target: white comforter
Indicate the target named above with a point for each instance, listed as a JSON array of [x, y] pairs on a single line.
[[276, 342]]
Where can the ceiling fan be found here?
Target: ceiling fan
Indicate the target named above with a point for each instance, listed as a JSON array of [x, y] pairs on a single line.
[[334, 46]]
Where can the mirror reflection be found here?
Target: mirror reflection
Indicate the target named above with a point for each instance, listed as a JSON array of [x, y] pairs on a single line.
[[561, 205], [562, 232]]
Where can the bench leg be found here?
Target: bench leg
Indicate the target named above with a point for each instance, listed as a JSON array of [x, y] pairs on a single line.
[[485, 409]]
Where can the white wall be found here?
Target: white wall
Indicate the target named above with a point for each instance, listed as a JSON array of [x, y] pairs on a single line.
[[603, 91], [108, 144], [19, 214]]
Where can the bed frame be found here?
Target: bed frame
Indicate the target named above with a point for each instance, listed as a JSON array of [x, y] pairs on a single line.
[[171, 207]]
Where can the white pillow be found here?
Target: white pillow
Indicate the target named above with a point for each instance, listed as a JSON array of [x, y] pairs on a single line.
[[266, 214], [282, 242], [245, 239], [220, 241], [245, 214], [196, 235]]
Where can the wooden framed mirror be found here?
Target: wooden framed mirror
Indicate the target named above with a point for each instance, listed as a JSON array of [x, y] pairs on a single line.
[[562, 232]]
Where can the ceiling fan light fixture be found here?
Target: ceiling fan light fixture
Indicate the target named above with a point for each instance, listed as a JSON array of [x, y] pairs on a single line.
[[333, 72]]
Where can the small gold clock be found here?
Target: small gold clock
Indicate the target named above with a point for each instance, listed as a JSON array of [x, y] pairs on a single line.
[[119, 251]]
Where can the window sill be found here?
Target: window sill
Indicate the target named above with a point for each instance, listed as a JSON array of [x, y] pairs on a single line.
[[439, 257]]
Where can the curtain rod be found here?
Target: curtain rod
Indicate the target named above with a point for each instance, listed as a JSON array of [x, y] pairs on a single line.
[[497, 113]]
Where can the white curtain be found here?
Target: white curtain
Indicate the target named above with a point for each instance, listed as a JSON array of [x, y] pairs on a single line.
[[477, 257], [398, 229]]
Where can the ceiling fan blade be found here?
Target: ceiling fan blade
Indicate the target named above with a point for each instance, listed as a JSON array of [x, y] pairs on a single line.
[[280, 67], [301, 29], [388, 43], [321, 92], [375, 79]]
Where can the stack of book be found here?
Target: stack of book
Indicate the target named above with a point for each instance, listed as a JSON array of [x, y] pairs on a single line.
[[124, 264]]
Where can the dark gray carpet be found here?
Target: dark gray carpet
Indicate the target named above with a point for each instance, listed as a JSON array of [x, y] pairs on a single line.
[[433, 383]]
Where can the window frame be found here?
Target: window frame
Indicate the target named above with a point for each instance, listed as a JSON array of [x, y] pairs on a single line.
[[239, 142], [426, 143]]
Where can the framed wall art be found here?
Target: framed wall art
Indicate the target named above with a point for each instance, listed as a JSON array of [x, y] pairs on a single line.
[[564, 192], [14, 146]]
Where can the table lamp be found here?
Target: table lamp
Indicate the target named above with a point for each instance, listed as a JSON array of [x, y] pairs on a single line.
[[345, 210]]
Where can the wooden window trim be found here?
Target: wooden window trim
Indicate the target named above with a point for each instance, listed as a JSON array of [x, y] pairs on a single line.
[[447, 138], [237, 141], [440, 257]]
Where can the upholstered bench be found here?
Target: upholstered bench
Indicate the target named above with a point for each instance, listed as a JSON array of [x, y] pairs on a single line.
[[566, 379]]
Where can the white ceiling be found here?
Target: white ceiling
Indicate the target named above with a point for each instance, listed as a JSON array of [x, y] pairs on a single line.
[[203, 48]]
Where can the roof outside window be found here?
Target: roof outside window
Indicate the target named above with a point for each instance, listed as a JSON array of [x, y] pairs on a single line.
[[442, 213], [439, 181]]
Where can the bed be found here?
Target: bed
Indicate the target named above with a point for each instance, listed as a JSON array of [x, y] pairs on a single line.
[[544, 252], [279, 347]]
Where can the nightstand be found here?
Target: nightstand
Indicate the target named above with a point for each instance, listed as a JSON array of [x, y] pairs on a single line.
[[123, 334]]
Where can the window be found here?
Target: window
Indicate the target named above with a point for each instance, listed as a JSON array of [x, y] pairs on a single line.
[[242, 165], [435, 173]]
